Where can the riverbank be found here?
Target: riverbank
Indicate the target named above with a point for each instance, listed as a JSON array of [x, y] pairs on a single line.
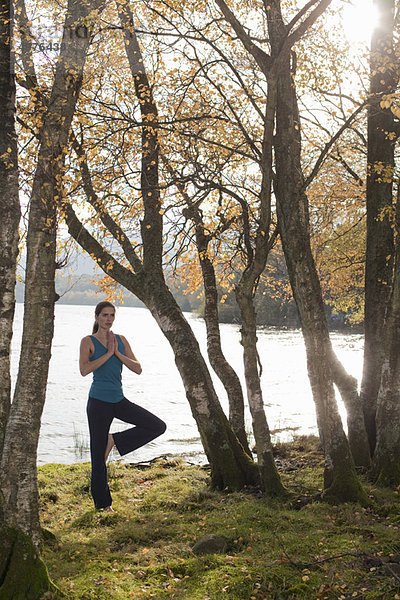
[[299, 549]]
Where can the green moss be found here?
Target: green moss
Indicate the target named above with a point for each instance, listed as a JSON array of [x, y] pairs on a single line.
[[388, 475], [23, 575], [346, 488]]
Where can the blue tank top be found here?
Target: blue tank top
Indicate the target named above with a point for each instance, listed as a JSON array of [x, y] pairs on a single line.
[[107, 380]]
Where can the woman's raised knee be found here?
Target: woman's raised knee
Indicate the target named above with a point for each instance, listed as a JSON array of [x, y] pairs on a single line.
[[161, 427]]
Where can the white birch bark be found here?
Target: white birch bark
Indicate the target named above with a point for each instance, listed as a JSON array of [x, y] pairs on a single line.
[[9, 208], [18, 481]]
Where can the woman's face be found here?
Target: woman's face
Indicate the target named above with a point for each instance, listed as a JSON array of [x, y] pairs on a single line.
[[106, 318]]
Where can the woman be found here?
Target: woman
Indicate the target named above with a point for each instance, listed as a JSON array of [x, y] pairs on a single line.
[[103, 353]]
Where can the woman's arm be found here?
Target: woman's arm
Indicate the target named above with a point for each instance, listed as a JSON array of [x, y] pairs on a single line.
[[85, 365], [128, 359]]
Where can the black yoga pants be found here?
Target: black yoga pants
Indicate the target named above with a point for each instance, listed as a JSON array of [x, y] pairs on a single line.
[[100, 416]]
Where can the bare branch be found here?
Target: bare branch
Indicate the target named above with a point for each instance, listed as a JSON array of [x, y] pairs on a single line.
[[300, 14], [262, 58], [26, 45], [116, 231], [329, 145], [151, 228], [305, 25], [339, 158], [104, 259]]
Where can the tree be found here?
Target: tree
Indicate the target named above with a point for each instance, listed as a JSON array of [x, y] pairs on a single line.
[[340, 479], [9, 206], [382, 136], [231, 467], [205, 141], [381, 390], [262, 61], [341, 482], [386, 460], [221, 366], [23, 573], [255, 254]]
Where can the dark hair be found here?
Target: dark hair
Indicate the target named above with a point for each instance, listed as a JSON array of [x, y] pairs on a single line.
[[97, 311]]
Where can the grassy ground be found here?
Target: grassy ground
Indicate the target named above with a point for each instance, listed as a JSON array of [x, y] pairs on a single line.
[[299, 549]]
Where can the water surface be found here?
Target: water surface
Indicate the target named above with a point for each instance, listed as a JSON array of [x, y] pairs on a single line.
[[287, 395]]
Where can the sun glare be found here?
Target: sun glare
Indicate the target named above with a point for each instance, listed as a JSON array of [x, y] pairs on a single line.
[[359, 19]]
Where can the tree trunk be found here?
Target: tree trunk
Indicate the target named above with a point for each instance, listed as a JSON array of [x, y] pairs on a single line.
[[340, 479], [9, 209], [256, 253], [18, 473], [222, 368], [265, 459], [386, 461], [20, 566], [356, 432], [22, 572], [231, 467], [18, 479], [380, 249], [256, 260]]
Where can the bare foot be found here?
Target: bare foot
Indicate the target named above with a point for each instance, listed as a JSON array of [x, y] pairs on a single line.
[[110, 445], [108, 509]]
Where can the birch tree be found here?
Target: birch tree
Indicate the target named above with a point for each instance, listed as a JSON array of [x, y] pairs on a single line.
[[278, 67], [9, 207], [257, 257], [219, 363], [23, 572], [142, 273], [382, 137], [386, 459], [204, 162], [381, 383]]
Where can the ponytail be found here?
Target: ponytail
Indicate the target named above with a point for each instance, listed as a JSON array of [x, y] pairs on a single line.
[[97, 311]]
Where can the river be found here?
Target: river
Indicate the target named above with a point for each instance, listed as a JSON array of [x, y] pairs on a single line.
[[287, 394]]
